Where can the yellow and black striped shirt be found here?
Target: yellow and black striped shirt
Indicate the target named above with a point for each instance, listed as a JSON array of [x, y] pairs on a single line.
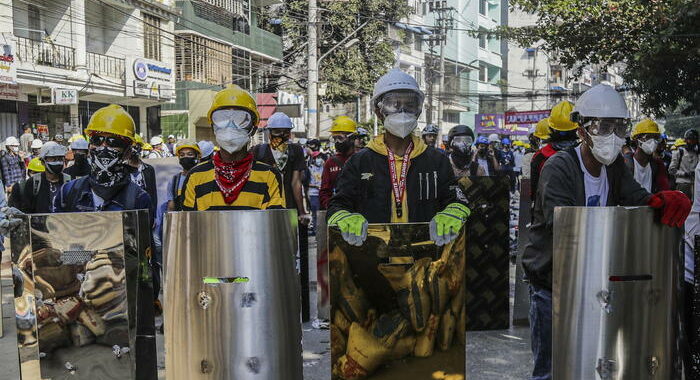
[[262, 191]]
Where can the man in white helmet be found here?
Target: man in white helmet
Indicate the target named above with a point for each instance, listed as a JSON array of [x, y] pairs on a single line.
[[398, 178], [11, 164], [36, 193], [591, 174], [34, 148], [159, 150]]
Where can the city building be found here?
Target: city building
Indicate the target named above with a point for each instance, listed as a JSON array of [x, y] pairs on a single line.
[[63, 59]]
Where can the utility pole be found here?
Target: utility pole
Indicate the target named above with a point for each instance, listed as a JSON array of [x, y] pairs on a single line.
[[444, 21], [312, 87]]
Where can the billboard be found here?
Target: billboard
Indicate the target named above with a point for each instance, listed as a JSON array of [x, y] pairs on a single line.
[[519, 123], [487, 123]]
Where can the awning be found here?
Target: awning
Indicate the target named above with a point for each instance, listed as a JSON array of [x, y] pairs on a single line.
[[414, 29]]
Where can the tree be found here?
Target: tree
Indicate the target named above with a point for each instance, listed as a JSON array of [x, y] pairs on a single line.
[[657, 40], [347, 71]]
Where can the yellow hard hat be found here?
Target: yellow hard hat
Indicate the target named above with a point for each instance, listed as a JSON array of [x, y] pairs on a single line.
[[191, 145], [138, 140], [528, 146], [559, 118], [645, 126], [234, 96], [76, 137], [679, 142], [146, 146], [35, 165], [343, 124], [542, 129], [112, 119]]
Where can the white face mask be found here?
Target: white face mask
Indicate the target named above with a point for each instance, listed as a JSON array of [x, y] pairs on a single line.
[[606, 148], [401, 124], [232, 139], [14, 148], [649, 146]]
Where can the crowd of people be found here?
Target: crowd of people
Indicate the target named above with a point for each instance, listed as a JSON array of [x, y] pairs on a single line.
[[583, 154]]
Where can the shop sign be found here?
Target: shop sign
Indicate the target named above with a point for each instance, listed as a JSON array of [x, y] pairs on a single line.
[[149, 78], [8, 61], [520, 123], [65, 96]]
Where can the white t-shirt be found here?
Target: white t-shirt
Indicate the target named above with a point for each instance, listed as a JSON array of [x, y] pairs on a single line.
[[484, 165], [642, 174], [596, 188]]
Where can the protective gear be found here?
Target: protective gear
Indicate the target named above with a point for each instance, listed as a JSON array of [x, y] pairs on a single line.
[[430, 129], [601, 101], [112, 119], [11, 141], [37, 144], [52, 149], [563, 144], [232, 139], [679, 143], [231, 118], [106, 166], [560, 119], [604, 127], [675, 207], [8, 220], [343, 124], [649, 146], [147, 147], [190, 145], [460, 130], [482, 140], [645, 126], [280, 120], [461, 143], [35, 165], [445, 225], [206, 148], [138, 140], [353, 226], [313, 143], [188, 163], [690, 135], [541, 130], [400, 124], [395, 102], [236, 97], [395, 80], [343, 146], [493, 138], [80, 144], [156, 140], [605, 149], [505, 141], [54, 167]]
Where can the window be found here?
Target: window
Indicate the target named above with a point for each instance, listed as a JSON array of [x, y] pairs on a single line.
[[450, 117], [34, 16], [151, 37], [418, 74], [555, 74], [482, 39], [418, 42], [483, 73], [202, 60], [483, 7]]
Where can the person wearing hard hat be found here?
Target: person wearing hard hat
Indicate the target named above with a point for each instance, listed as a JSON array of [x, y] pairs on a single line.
[[648, 170], [360, 138], [398, 178], [146, 150], [342, 131], [429, 134], [11, 164], [188, 154], [507, 162], [35, 147], [81, 166], [171, 144], [232, 179], [142, 173], [35, 194], [486, 159], [35, 166], [684, 161], [108, 187], [26, 139], [460, 139], [592, 174], [158, 148], [288, 158], [539, 135], [207, 150]]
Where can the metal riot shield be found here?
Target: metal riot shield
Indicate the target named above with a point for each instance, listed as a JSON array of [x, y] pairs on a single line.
[[232, 296], [521, 298], [323, 300], [84, 296], [616, 279], [166, 168], [397, 305], [488, 277]]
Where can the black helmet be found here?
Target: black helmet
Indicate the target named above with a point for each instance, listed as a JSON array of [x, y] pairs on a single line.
[[313, 142], [690, 134], [430, 129], [460, 130]]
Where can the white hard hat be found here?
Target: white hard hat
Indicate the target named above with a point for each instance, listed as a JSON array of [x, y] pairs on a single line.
[[493, 138], [79, 144], [156, 140], [601, 101], [36, 144], [395, 80], [207, 148], [12, 141], [279, 120], [171, 136], [52, 149]]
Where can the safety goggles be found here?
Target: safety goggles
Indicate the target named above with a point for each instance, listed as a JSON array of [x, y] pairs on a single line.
[[648, 136], [463, 139], [395, 102], [339, 138], [231, 118], [607, 126], [111, 141]]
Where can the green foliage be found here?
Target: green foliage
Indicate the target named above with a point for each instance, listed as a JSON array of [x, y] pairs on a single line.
[[351, 71], [657, 40]]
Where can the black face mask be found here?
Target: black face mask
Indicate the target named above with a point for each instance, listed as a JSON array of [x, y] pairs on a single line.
[[188, 163], [344, 147], [54, 167], [482, 152], [562, 145], [80, 158]]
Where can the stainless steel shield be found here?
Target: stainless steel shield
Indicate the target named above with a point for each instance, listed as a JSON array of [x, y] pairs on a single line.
[[323, 300], [166, 168], [617, 274], [232, 296], [83, 296]]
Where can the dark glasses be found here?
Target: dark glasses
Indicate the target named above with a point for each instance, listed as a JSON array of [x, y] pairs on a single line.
[[112, 142]]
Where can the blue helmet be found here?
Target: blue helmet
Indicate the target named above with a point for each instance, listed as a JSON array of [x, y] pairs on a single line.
[[505, 141], [279, 120], [481, 140]]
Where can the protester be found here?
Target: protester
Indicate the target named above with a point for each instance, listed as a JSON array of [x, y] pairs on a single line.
[[538, 135], [430, 135], [11, 164], [36, 193], [360, 138], [34, 148], [170, 145], [207, 149], [142, 173], [342, 130], [684, 161], [35, 166], [486, 158], [159, 149], [146, 150], [507, 162], [81, 166], [592, 174], [188, 154], [315, 177], [460, 139], [648, 170], [26, 139]]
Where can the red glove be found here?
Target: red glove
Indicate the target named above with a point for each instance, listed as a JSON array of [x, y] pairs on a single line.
[[674, 205]]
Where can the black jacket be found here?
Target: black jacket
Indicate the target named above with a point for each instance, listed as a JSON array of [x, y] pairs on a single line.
[[561, 184], [364, 186], [23, 195]]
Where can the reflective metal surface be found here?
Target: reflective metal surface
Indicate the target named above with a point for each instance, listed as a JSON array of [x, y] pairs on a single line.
[[232, 296], [79, 279], [521, 298], [323, 301], [165, 169], [616, 282]]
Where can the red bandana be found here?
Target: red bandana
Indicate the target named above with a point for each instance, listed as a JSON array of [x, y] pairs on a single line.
[[231, 176]]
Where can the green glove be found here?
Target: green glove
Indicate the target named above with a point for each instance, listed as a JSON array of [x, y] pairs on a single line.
[[445, 225], [353, 226]]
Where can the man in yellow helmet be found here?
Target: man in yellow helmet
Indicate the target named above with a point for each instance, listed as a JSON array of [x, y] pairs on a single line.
[[142, 173], [342, 131], [108, 187], [648, 170], [188, 154], [232, 179]]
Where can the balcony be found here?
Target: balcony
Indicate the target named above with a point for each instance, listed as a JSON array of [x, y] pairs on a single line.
[[104, 65], [45, 53]]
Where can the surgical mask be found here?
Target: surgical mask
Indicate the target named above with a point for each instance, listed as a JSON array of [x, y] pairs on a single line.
[[106, 165], [319, 162], [232, 139], [649, 146], [54, 167], [401, 124], [14, 148], [188, 163], [606, 148]]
